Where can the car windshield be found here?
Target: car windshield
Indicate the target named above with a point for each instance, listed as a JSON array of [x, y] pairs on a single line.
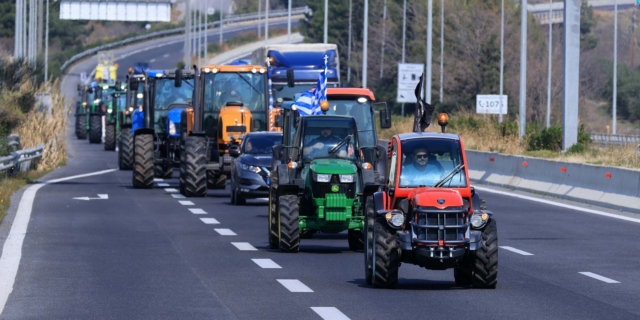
[[361, 112], [322, 134], [260, 144], [288, 93], [427, 161], [166, 93]]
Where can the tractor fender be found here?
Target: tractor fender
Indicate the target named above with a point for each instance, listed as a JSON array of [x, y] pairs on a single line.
[[368, 177], [474, 239], [370, 189], [143, 131], [379, 203]]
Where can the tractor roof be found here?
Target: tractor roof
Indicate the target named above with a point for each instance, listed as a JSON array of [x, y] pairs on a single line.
[[236, 68], [360, 92], [428, 135]]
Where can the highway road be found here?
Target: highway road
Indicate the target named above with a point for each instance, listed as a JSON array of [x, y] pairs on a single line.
[[150, 254]]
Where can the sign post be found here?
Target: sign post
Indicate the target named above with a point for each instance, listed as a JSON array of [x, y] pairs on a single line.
[[408, 78]]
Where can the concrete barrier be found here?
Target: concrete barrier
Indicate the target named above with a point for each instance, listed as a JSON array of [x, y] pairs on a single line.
[[612, 187]]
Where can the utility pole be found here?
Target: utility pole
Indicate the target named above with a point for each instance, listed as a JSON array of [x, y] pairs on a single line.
[[441, 47], [266, 23], [46, 47], [289, 21], [365, 43], [198, 32], [259, 17], [326, 20], [429, 51], [17, 33], [222, 23], [384, 29], [206, 28], [187, 33], [523, 68], [548, 118], [571, 57], [349, 45], [404, 36], [40, 37], [501, 59], [634, 25], [615, 66]]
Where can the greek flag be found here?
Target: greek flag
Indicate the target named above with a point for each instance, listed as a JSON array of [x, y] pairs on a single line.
[[271, 124], [309, 101]]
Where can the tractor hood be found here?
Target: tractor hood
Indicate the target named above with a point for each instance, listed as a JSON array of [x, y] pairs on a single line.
[[333, 166], [436, 197], [257, 160]]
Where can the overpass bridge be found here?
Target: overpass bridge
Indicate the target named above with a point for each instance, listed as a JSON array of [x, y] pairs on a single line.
[[541, 10]]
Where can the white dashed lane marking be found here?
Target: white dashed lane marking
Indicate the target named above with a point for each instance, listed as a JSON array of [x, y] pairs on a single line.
[[225, 232], [210, 220], [266, 264], [518, 251], [177, 196], [171, 190], [163, 184], [186, 203], [197, 211], [598, 277], [294, 285], [329, 313], [244, 246], [157, 179]]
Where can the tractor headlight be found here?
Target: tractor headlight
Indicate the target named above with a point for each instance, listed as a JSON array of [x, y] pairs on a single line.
[[479, 220], [130, 109], [323, 177], [172, 128], [250, 168], [96, 101], [395, 218], [109, 110], [346, 178]]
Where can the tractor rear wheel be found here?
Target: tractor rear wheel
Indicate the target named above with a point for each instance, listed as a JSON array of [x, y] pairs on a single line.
[[273, 222], [81, 126], [143, 161], [289, 223], [216, 180], [385, 256], [195, 179], [485, 264], [368, 242], [162, 171], [95, 128], [183, 170], [110, 137], [125, 151]]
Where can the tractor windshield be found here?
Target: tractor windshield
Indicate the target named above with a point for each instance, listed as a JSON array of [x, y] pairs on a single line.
[[288, 93], [361, 112], [167, 94], [427, 161], [121, 102], [322, 134]]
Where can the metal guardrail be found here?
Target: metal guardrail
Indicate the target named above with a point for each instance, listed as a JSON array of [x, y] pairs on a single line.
[[20, 161], [621, 139], [230, 19]]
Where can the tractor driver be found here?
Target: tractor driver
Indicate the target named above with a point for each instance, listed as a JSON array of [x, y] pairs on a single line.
[[422, 171], [229, 94], [322, 144]]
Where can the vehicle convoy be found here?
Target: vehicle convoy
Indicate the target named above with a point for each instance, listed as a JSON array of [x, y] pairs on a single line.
[[319, 180], [115, 103], [124, 125], [229, 102], [251, 166], [427, 213], [156, 137], [295, 68]]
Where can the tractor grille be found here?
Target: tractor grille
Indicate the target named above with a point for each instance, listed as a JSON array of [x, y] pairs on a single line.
[[440, 226], [320, 189]]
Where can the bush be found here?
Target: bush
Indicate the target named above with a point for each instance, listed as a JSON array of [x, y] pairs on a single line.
[[545, 139], [577, 148]]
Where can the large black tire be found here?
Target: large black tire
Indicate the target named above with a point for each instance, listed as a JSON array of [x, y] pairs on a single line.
[[386, 259], [110, 137], [163, 172], [216, 181], [368, 241], [143, 161], [81, 126], [95, 128], [485, 264], [273, 222], [195, 178], [236, 198], [125, 151], [289, 212], [183, 171]]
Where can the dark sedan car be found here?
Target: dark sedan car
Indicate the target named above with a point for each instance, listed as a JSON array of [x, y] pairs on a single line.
[[250, 169]]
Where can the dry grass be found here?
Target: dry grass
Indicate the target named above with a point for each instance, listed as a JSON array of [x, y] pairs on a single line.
[[488, 137], [48, 129], [9, 186]]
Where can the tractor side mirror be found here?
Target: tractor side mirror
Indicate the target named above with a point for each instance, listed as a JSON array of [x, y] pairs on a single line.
[[277, 152], [79, 87], [234, 151], [178, 80], [279, 120], [133, 85], [385, 119]]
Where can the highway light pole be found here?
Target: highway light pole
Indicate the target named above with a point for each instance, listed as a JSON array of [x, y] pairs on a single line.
[[429, 51], [289, 21], [326, 20], [441, 46], [404, 37], [349, 45], [501, 59], [615, 66], [571, 81], [259, 17], [365, 44], [17, 52], [46, 46], [187, 33], [266, 23], [523, 68], [548, 118], [384, 24], [222, 23]]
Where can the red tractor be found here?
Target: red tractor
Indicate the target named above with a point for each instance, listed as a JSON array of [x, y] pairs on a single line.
[[427, 213]]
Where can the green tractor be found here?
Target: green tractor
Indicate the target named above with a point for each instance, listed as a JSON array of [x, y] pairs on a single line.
[[133, 101], [116, 104], [319, 181], [86, 94]]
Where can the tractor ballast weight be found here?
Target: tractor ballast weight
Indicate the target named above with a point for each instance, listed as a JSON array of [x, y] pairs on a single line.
[[427, 213]]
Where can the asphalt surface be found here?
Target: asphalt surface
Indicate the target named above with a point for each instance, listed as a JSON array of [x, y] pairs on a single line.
[[141, 254]]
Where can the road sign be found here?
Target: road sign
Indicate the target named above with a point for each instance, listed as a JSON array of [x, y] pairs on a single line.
[[490, 104], [408, 78], [211, 11]]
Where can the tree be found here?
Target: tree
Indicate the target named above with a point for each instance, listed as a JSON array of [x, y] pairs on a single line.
[[588, 41]]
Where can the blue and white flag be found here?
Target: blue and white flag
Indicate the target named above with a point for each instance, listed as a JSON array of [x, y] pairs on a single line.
[[271, 124], [309, 101]]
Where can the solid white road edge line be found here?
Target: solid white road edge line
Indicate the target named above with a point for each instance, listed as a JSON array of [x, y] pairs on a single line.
[[518, 251], [12, 250], [598, 277], [266, 264], [557, 204], [330, 313], [294, 285], [244, 246]]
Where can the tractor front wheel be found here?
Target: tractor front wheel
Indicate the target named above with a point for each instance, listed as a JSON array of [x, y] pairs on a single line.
[[110, 137], [143, 161], [215, 180], [485, 264], [95, 128], [81, 126], [368, 241], [289, 223], [162, 171], [125, 151], [195, 179], [385, 256], [273, 222]]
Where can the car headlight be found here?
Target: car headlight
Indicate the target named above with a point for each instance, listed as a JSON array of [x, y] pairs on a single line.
[[346, 178], [478, 220], [172, 128], [323, 177], [250, 168]]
